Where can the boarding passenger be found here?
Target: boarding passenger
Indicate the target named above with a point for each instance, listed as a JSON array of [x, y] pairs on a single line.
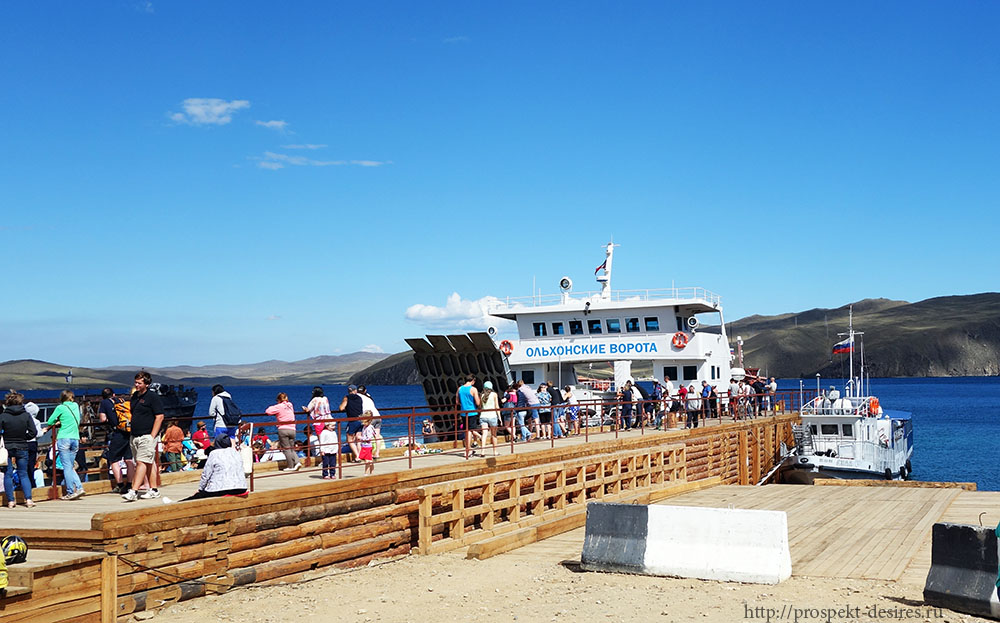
[[734, 399], [508, 413], [467, 403], [706, 399], [489, 419], [572, 410], [16, 430], [353, 407], [67, 415], [693, 407], [558, 412], [625, 409], [118, 439], [147, 417], [284, 415], [544, 411], [527, 401], [646, 405]]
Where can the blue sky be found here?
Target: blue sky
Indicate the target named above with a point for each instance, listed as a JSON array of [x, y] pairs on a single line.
[[227, 182]]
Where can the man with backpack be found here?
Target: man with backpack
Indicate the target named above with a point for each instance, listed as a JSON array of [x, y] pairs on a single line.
[[228, 416], [116, 412]]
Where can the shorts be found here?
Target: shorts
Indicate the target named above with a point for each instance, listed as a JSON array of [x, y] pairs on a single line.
[[365, 454], [486, 420], [353, 428], [143, 448], [545, 417], [119, 447], [230, 431]]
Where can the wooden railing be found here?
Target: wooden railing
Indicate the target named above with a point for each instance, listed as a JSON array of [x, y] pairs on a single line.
[[469, 510]]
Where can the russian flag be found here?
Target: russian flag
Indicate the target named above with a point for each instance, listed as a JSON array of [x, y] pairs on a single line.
[[601, 267], [847, 346]]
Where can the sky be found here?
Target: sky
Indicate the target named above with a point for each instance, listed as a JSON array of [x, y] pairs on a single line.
[[228, 182]]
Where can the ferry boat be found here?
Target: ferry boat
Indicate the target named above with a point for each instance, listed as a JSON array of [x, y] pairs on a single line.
[[679, 332], [850, 435]]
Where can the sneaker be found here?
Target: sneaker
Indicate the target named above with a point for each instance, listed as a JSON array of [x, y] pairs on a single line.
[[151, 494], [297, 467], [131, 496], [75, 495]]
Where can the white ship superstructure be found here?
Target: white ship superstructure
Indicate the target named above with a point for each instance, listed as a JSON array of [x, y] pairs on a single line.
[[680, 331]]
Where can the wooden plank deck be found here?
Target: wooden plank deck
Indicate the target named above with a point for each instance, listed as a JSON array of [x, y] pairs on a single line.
[[880, 533], [76, 515]]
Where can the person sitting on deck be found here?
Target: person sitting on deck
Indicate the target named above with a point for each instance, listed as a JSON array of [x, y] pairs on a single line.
[[223, 472]]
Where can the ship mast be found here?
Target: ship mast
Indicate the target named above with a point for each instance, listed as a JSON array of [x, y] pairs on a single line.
[[855, 391], [605, 279]]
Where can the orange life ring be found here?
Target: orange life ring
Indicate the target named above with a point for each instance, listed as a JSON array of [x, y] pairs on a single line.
[[506, 348], [873, 406], [680, 340]]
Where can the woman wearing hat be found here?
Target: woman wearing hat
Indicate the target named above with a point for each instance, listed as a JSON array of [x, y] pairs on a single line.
[[489, 416]]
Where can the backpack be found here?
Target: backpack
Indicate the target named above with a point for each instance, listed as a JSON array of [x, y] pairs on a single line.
[[123, 411], [231, 414]]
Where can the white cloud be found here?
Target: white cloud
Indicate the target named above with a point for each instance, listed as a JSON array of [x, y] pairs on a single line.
[[273, 160], [459, 39], [207, 111], [274, 317], [272, 125], [457, 313], [372, 348], [305, 146]]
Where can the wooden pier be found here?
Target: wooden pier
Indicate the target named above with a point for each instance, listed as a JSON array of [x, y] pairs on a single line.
[[99, 560]]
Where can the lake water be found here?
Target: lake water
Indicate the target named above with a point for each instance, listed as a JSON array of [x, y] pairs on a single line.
[[956, 421]]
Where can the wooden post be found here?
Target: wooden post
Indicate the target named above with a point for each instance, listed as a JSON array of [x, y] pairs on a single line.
[[109, 589], [424, 532], [743, 456]]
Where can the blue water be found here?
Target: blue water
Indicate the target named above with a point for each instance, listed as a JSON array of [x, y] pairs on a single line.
[[956, 421]]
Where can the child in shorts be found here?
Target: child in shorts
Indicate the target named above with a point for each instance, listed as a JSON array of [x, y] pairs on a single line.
[[367, 439]]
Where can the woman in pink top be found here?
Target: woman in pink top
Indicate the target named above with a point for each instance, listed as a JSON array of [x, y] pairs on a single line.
[[284, 412], [318, 409]]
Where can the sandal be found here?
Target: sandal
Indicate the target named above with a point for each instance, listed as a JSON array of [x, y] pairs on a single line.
[[11, 504], [29, 504]]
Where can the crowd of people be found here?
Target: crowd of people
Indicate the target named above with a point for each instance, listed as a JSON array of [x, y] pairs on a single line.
[[523, 413]]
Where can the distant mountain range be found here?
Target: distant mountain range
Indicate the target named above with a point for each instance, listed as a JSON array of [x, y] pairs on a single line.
[[324, 369], [945, 336]]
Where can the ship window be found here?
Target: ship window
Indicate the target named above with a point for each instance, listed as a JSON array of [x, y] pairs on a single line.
[[848, 430], [513, 376], [557, 328], [632, 325], [593, 326], [690, 373], [575, 327], [539, 329], [614, 325], [670, 372], [652, 323], [812, 429], [680, 323], [828, 429], [528, 376]]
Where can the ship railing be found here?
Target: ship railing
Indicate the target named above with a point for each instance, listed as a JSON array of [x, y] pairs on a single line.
[[822, 405], [510, 304]]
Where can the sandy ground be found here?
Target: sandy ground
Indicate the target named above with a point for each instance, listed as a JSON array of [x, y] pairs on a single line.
[[532, 587]]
